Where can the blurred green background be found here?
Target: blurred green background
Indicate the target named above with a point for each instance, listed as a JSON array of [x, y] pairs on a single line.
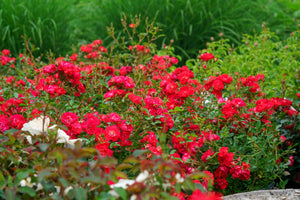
[[55, 26]]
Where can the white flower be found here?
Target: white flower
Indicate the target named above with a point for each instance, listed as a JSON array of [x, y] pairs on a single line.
[[142, 176], [66, 191], [62, 137], [37, 126], [27, 182], [123, 183], [179, 179], [113, 193]]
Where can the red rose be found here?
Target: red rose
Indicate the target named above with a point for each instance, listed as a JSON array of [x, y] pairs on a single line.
[[69, 118], [207, 56], [112, 133], [221, 183]]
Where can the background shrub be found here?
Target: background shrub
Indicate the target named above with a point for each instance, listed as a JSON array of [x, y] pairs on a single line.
[[192, 23], [54, 25]]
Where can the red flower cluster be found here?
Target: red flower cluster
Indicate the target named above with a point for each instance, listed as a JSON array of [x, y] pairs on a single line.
[[153, 105], [4, 123], [251, 82], [207, 56], [70, 120], [120, 86], [107, 129], [150, 142], [93, 50], [217, 84], [178, 86], [241, 172], [125, 70], [6, 59], [227, 165], [158, 65], [101, 68], [135, 99], [60, 77], [184, 148], [206, 155], [121, 82], [15, 121], [269, 106], [197, 195], [140, 48], [231, 108]]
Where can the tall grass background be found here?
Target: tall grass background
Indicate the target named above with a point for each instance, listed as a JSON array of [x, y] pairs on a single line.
[[45, 24], [56, 25]]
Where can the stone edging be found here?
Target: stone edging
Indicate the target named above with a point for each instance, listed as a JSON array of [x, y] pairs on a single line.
[[288, 194]]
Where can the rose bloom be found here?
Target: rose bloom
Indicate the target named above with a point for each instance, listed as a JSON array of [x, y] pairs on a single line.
[[69, 118], [5, 52], [16, 121], [206, 155], [112, 133], [207, 56]]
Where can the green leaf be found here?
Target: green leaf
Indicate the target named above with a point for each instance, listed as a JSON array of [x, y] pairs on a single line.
[[9, 181], [64, 182], [16, 95], [93, 179], [121, 192], [123, 166], [176, 109], [131, 160], [90, 150], [103, 196], [22, 175], [198, 175], [43, 147], [106, 161], [120, 174], [139, 152], [2, 181], [43, 174], [11, 137], [80, 193], [10, 194], [200, 187], [173, 151], [47, 185], [11, 131], [189, 184], [27, 190], [167, 196], [178, 187]]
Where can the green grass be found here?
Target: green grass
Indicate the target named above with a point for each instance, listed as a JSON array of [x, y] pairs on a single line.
[[56, 25], [45, 24], [192, 23]]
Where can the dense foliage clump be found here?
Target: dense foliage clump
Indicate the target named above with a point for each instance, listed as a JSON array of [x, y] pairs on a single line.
[[128, 122]]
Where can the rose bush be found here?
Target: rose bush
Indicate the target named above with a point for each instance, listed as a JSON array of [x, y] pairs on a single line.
[[128, 123]]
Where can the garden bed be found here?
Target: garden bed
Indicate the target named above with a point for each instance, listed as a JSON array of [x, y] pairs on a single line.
[[128, 122]]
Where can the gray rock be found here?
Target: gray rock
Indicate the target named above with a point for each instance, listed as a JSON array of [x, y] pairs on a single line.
[[288, 194]]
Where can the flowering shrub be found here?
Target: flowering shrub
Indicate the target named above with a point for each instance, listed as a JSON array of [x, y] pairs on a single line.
[[132, 124]]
